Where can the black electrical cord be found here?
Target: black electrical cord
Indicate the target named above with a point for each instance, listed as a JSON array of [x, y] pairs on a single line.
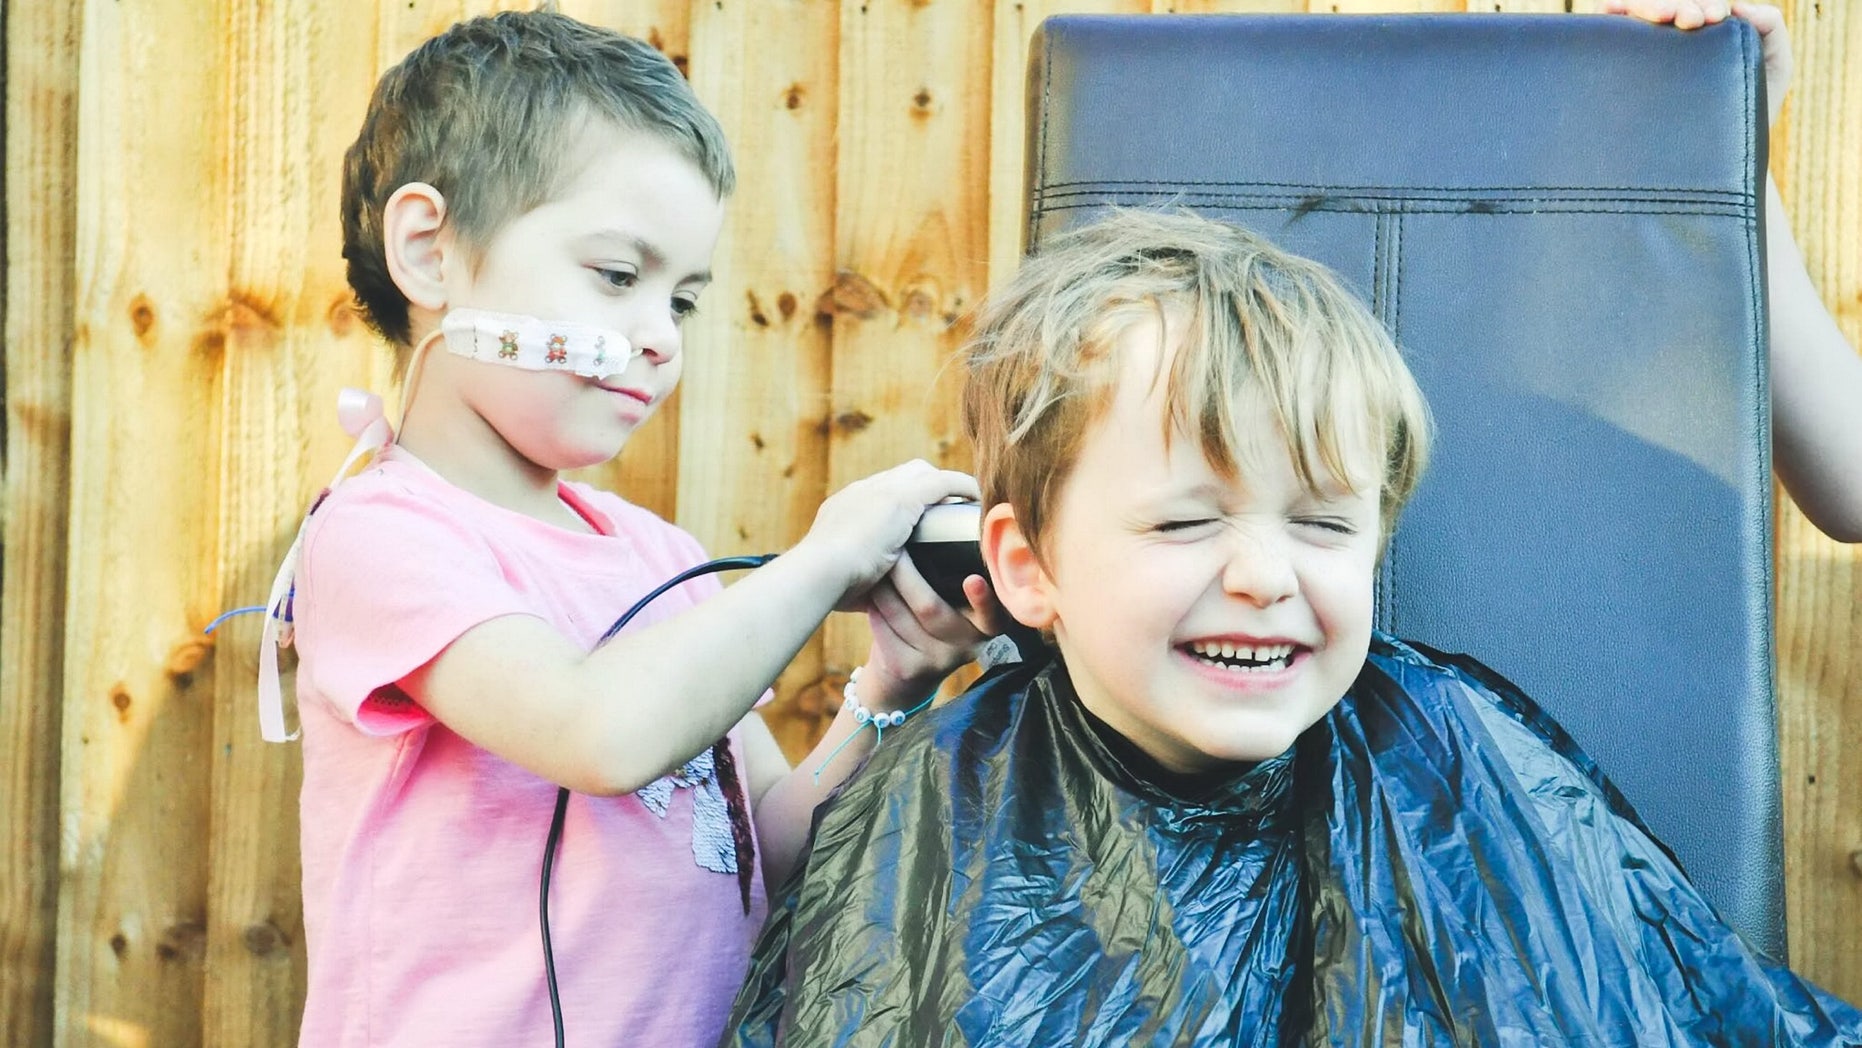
[[562, 794]]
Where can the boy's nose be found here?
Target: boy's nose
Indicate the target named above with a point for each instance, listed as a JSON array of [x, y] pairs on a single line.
[[1260, 571]]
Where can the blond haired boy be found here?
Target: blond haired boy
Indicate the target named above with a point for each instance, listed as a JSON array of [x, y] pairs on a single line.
[[1225, 811]]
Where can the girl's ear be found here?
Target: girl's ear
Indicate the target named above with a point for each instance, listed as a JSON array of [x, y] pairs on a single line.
[[1022, 584], [411, 230]]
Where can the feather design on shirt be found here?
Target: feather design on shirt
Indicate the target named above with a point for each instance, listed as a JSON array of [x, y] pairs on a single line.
[[712, 845]]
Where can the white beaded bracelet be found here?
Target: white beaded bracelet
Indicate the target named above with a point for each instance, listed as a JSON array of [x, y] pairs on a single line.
[[862, 715]]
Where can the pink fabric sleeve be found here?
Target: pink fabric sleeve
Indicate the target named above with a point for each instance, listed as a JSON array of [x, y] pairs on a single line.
[[674, 549], [387, 580]]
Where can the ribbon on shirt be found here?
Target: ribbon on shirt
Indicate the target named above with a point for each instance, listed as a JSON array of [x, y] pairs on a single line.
[[361, 415]]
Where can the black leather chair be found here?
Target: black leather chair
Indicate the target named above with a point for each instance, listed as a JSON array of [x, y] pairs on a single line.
[[1560, 220]]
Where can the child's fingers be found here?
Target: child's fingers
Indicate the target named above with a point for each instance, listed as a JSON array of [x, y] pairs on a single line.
[[921, 601], [933, 614], [1685, 14], [1764, 17], [887, 620], [986, 613], [1658, 11], [1692, 14], [927, 484]]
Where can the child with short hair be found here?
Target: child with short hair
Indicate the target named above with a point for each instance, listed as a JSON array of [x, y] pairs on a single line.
[[529, 213], [1222, 809]]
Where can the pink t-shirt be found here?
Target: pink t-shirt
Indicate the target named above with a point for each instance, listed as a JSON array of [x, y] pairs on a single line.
[[422, 852]]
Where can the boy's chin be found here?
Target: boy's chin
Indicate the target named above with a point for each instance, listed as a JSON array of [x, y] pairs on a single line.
[[1249, 745]]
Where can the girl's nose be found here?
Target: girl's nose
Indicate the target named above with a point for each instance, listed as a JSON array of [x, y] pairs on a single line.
[[656, 334]]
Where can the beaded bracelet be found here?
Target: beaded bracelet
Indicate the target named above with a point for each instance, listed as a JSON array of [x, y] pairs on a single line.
[[862, 717]]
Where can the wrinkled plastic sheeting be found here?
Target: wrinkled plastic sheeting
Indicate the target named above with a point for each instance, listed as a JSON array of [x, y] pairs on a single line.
[[1434, 863]]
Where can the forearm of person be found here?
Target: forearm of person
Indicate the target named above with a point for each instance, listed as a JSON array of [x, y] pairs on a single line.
[[613, 720], [785, 810], [1816, 389]]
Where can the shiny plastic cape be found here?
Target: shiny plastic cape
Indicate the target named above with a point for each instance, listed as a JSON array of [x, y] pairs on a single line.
[[1433, 863]]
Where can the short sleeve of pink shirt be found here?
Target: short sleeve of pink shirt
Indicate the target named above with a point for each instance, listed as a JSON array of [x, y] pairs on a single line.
[[422, 851]]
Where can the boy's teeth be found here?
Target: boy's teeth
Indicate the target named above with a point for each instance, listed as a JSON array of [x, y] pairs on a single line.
[[1228, 650]]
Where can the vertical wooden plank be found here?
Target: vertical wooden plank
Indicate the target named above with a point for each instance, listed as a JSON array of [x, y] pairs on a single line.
[[296, 85], [912, 235], [151, 268], [647, 471], [753, 447], [35, 436], [1008, 118], [1819, 582]]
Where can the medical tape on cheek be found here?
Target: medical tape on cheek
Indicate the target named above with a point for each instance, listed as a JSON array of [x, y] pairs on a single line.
[[526, 342]]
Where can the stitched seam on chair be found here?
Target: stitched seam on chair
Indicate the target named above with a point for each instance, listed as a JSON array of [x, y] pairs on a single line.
[[1270, 204], [1396, 275], [1379, 293], [1424, 187], [1383, 304], [1039, 205], [1396, 336], [1401, 194], [1350, 202], [1771, 899], [1761, 401]]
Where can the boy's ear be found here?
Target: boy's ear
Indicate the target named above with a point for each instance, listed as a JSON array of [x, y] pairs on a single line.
[[1022, 585], [411, 227]]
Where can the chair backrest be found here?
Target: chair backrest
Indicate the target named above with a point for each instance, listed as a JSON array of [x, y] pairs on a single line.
[[1559, 218]]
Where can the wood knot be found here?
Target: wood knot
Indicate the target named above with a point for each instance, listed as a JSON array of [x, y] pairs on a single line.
[[852, 295], [1855, 863], [921, 102], [853, 421], [119, 698], [243, 321], [142, 319], [187, 655], [182, 941], [757, 316], [343, 315], [792, 98], [264, 939], [785, 304], [918, 304]]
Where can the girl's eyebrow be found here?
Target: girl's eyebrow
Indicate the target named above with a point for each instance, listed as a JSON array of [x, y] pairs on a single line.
[[646, 249]]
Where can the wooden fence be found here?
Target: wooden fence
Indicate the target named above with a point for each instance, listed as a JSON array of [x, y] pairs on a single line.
[[176, 331]]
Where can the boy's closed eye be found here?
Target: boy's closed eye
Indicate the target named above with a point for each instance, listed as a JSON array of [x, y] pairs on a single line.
[[1184, 526], [1336, 525]]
